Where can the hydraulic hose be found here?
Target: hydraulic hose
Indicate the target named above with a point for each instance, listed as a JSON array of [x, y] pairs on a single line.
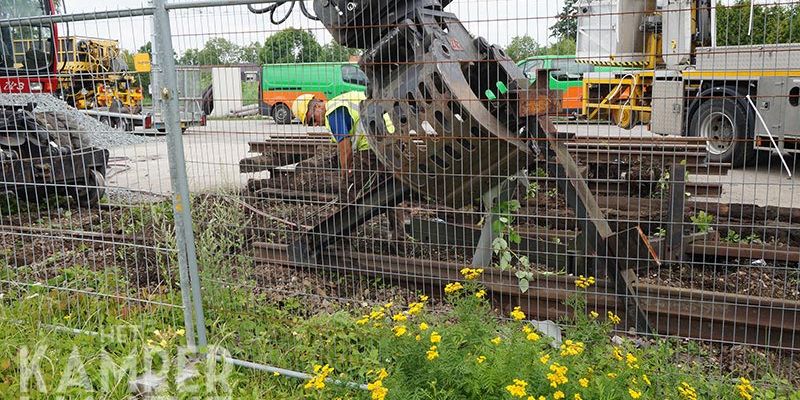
[[272, 8]]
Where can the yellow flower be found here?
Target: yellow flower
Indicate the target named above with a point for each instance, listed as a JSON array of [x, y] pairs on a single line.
[[570, 348], [558, 395], [745, 389], [533, 337], [583, 382], [363, 320], [423, 298], [163, 343], [388, 305], [631, 360], [480, 294], [451, 288], [432, 353], [321, 373], [517, 389], [180, 332], [496, 341], [415, 308], [418, 338], [399, 330], [617, 354], [436, 337], [634, 394], [584, 282], [614, 318], [557, 375], [480, 359], [471, 273], [611, 375], [517, 314], [687, 391], [577, 396], [382, 374], [399, 317], [544, 359], [276, 373], [377, 390], [423, 326], [646, 379], [594, 314], [376, 314]]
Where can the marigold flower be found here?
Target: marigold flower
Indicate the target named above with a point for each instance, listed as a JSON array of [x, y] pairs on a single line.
[[436, 337], [471, 273], [399, 330], [594, 314], [382, 374], [377, 390], [423, 326], [583, 382], [634, 394], [631, 360], [687, 391], [745, 389], [454, 287], [571, 348], [496, 341], [518, 388], [423, 298], [418, 338], [614, 318], [577, 396], [480, 294], [544, 359], [321, 373], [480, 359], [557, 375], [559, 395], [432, 353], [584, 282], [399, 317], [415, 308], [517, 314]]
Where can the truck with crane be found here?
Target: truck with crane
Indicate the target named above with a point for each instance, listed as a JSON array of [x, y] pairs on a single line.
[[736, 99]]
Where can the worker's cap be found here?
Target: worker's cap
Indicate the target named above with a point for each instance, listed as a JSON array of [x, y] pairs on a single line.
[[300, 106]]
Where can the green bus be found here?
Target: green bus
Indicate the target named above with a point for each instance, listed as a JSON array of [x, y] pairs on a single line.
[[281, 84], [566, 76]]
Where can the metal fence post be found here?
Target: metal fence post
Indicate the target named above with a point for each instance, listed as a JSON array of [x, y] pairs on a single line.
[[168, 96]]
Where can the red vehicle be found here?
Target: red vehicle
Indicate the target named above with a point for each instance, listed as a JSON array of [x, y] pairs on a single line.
[[28, 52]]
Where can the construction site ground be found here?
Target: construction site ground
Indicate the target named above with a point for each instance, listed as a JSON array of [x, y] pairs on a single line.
[[144, 167]]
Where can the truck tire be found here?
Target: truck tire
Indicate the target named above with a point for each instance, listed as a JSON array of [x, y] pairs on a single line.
[[726, 125], [282, 114]]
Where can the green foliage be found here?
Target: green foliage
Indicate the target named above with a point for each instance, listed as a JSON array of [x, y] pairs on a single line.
[[217, 51], [567, 25], [702, 221], [522, 47], [334, 52], [506, 237], [772, 23], [291, 46]]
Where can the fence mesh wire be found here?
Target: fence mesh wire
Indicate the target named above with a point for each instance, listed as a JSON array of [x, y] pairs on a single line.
[[339, 164]]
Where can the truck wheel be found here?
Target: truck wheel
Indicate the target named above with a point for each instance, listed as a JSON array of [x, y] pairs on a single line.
[[282, 114], [89, 192], [625, 118], [725, 125]]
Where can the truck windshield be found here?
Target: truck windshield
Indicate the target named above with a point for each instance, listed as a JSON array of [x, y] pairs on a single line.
[[28, 48]]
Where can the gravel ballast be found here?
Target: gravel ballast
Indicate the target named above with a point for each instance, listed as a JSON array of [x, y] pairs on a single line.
[[84, 130]]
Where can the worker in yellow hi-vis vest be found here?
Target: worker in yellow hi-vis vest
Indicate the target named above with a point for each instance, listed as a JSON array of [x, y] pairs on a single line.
[[340, 115]]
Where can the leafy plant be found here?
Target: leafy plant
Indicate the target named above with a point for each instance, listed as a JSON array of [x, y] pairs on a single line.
[[505, 237], [702, 221]]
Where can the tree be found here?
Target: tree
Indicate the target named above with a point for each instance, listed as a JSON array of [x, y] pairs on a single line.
[[251, 53], [291, 46], [522, 47], [334, 52], [779, 23], [563, 47], [567, 25]]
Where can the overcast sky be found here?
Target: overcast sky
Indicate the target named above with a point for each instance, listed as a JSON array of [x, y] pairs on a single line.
[[497, 20]]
